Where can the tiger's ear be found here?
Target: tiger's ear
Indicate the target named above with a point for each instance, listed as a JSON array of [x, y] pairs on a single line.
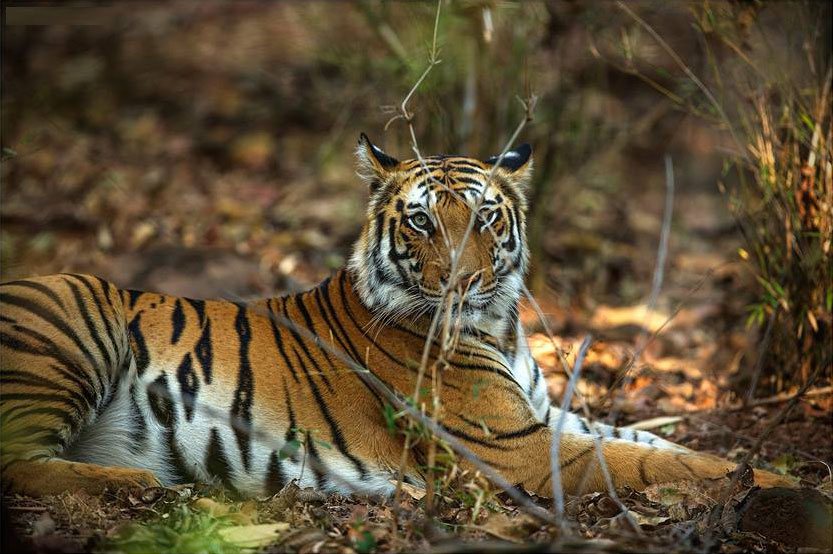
[[516, 164], [374, 164]]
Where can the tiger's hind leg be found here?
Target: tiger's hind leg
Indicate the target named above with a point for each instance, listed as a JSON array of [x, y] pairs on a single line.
[[63, 355]]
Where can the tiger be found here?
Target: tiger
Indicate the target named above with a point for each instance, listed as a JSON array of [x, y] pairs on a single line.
[[103, 388]]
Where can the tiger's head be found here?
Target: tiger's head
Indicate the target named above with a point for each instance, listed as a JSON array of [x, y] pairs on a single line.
[[419, 226]]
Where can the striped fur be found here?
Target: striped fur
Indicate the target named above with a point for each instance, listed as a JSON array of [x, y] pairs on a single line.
[[102, 387]]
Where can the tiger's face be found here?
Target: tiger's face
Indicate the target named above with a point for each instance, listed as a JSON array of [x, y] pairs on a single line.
[[443, 223]]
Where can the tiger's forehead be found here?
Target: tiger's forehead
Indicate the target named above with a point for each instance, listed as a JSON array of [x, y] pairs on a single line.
[[437, 179]]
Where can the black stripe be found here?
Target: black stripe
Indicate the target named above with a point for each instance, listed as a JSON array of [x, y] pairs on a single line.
[[189, 385], [380, 228], [88, 321], [241, 407], [216, 461], [526, 431], [335, 431], [350, 347], [204, 352], [299, 301], [293, 426], [537, 373], [161, 404], [40, 288], [317, 465], [41, 397], [468, 169], [475, 440], [104, 285], [91, 394], [134, 296], [301, 342], [353, 351], [51, 318], [291, 431], [462, 162], [395, 256], [177, 322], [275, 477], [279, 341], [567, 463], [137, 344], [111, 335], [138, 434], [41, 436], [328, 322], [470, 181], [9, 377], [199, 307], [68, 419], [164, 410]]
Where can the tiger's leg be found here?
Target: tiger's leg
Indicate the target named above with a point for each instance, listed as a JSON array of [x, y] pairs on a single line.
[[62, 352], [636, 465], [638, 458], [520, 448]]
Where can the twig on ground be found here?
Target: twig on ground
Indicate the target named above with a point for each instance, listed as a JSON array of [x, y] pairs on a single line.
[[555, 447], [625, 377]]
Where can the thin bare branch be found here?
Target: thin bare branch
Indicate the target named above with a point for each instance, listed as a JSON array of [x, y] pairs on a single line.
[[555, 447], [689, 73], [644, 339]]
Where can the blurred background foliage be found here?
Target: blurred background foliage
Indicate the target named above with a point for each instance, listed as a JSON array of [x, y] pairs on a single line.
[[206, 149]]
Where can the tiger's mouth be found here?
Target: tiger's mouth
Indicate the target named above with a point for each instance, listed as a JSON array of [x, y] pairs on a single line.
[[467, 304]]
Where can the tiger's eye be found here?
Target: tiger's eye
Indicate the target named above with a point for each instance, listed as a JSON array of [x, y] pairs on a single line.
[[420, 219]]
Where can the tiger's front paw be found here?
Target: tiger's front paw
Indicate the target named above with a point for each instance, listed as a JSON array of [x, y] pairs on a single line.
[[41, 478], [128, 478]]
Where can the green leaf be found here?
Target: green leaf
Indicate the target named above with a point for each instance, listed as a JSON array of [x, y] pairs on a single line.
[[365, 542], [784, 463], [323, 443], [390, 415], [289, 449]]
